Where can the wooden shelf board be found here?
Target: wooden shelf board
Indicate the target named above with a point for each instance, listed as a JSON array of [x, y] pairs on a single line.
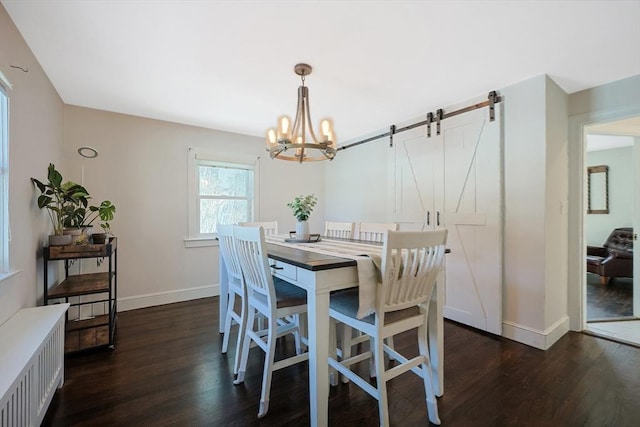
[[74, 325], [52, 253], [81, 284]]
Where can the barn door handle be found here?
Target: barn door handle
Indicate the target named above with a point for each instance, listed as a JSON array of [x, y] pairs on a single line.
[[438, 218], [428, 217]]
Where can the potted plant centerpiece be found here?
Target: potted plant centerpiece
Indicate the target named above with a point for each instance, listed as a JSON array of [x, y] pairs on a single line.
[[302, 207], [61, 200]]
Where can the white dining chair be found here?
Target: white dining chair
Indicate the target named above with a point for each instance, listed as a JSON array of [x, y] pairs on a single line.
[[235, 290], [371, 232], [341, 230], [270, 227], [374, 231], [279, 302], [410, 265]]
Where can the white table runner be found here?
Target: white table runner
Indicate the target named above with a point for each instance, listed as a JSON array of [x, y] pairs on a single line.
[[367, 257]]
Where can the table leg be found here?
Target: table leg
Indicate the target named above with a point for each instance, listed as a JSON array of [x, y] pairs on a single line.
[[224, 292], [436, 338], [318, 318]]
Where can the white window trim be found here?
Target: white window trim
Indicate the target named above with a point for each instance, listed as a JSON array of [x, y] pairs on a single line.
[[8, 275], [194, 158]]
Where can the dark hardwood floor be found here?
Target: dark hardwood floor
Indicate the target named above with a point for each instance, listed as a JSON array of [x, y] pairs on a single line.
[[613, 300], [167, 369]]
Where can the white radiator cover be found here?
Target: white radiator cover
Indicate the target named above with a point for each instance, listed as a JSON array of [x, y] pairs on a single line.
[[31, 364]]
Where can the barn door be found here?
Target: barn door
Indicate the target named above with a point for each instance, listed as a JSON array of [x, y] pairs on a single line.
[[471, 202], [453, 180], [417, 169]]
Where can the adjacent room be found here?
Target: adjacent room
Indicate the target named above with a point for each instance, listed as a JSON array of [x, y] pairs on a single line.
[[398, 213]]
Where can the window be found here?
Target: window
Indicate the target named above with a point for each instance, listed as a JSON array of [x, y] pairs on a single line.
[[4, 180], [223, 189], [225, 195]]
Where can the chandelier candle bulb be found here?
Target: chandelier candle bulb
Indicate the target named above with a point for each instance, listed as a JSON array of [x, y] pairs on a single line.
[[326, 130], [272, 139], [284, 128]]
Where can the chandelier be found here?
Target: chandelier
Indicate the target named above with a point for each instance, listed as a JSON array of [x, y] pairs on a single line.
[[300, 139]]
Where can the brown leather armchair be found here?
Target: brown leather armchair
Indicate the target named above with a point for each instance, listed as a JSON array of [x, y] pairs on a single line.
[[614, 258]]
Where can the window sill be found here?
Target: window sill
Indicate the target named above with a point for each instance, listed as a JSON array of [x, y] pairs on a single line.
[[200, 242], [8, 274]]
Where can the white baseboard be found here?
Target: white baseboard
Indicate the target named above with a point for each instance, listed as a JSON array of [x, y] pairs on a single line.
[[168, 297], [534, 337]]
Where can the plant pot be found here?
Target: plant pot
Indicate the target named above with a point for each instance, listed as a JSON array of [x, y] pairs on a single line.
[[99, 238], [60, 240], [302, 230], [75, 233], [72, 231], [88, 230]]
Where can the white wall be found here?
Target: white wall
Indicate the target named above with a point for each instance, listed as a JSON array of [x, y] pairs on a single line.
[[142, 169], [356, 184], [535, 153], [597, 227], [524, 197], [556, 320], [35, 139]]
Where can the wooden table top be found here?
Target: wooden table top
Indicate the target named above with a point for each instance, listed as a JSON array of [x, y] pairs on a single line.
[[308, 260]]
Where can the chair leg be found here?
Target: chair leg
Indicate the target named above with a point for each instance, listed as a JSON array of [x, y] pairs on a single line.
[[304, 332], [604, 280], [372, 360], [347, 332], [432, 403], [268, 367], [297, 334], [333, 345], [227, 322], [242, 331], [246, 341], [389, 341], [383, 404]]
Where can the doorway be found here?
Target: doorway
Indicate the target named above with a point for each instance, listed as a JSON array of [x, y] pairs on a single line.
[[612, 293]]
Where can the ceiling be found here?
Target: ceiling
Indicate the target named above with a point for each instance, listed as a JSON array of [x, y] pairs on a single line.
[[613, 134], [229, 64]]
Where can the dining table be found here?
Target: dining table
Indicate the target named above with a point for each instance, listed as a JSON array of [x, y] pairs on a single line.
[[318, 270]]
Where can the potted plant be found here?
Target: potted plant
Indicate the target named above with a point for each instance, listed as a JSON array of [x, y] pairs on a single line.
[[82, 217], [302, 207], [60, 199], [74, 212], [105, 212]]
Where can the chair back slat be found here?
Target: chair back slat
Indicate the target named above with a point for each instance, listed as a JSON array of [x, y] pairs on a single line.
[[410, 265], [340, 230], [252, 255], [225, 240], [270, 227], [374, 231]]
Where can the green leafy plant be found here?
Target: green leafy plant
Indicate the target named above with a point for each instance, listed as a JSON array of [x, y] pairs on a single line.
[[68, 204], [60, 199], [303, 206], [105, 212]]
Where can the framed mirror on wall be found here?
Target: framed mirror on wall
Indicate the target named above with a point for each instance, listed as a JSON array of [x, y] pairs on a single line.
[[598, 189]]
